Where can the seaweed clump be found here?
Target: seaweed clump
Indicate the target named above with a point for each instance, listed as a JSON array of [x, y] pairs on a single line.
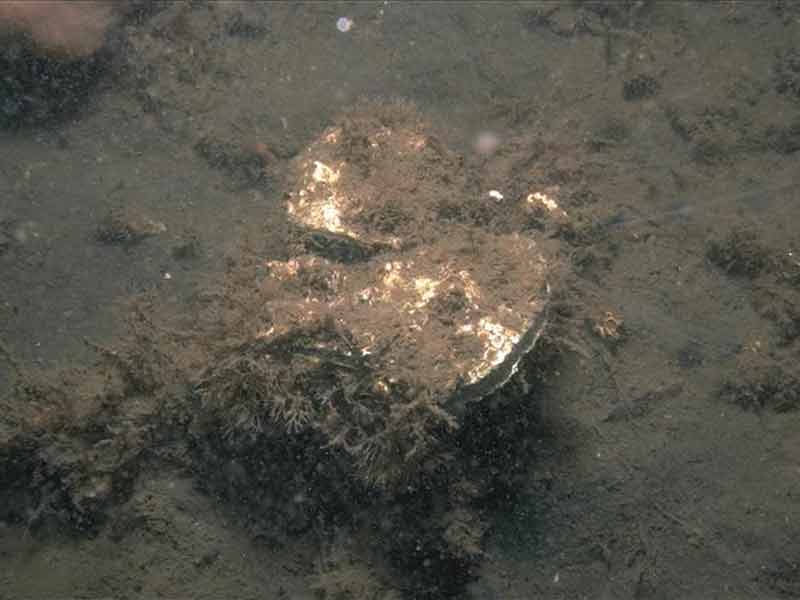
[[787, 73], [739, 253], [353, 399], [774, 388], [36, 89], [67, 454]]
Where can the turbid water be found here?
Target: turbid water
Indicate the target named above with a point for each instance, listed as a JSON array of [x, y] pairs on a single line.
[[650, 452]]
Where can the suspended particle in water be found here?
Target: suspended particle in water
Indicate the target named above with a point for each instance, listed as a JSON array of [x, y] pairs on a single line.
[[495, 195], [344, 24], [486, 143]]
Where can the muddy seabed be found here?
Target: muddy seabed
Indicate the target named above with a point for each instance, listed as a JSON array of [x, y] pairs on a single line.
[[649, 447]]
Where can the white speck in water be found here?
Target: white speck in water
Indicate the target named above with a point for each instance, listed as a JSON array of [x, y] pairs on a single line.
[[486, 143], [344, 24]]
